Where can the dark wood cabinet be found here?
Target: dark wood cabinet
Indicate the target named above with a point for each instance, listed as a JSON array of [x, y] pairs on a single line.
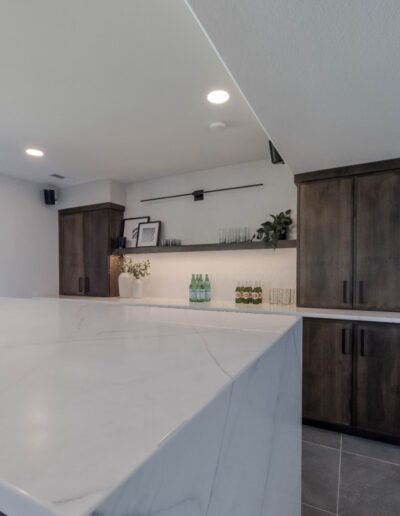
[[351, 377], [349, 242], [87, 237], [325, 243], [327, 371], [377, 242], [377, 393], [72, 270]]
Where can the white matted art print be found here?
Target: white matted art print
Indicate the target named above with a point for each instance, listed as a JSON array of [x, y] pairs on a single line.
[[131, 229], [149, 234]]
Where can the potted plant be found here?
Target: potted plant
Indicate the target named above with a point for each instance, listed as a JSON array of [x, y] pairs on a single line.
[[130, 279], [277, 229]]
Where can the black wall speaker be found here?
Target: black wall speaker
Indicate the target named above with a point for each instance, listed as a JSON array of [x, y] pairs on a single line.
[[275, 156], [49, 197]]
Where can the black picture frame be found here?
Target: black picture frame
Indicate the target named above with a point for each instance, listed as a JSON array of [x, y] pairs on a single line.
[[131, 234], [143, 240]]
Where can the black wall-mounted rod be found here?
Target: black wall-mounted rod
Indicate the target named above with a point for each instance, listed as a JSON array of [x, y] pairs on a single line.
[[198, 195]]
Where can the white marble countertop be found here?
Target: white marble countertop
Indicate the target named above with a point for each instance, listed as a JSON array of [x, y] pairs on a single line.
[[265, 308], [89, 391]]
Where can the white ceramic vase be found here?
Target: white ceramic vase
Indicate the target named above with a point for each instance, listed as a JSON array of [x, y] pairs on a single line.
[[137, 289], [125, 283]]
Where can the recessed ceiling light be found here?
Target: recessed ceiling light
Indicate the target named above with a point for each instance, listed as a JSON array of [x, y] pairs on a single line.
[[218, 96], [37, 153]]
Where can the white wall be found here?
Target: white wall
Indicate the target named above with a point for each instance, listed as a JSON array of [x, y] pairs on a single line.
[[29, 241], [95, 192], [171, 272], [199, 222]]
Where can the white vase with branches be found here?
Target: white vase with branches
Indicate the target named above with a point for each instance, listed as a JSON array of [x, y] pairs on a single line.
[[130, 279]]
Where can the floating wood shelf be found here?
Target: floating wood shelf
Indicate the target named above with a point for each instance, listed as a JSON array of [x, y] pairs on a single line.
[[282, 244]]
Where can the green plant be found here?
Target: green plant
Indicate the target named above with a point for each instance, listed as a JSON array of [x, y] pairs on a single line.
[[275, 230], [136, 269]]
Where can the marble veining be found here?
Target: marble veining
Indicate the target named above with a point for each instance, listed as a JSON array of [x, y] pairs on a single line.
[[126, 410]]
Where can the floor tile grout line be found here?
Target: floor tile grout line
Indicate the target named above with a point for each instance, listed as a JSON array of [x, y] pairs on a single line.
[[371, 458], [339, 474], [342, 450], [318, 509], [322, 445]]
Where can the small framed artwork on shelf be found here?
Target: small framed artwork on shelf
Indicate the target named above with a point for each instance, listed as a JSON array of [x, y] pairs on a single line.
[[149, 234], [130, 230]]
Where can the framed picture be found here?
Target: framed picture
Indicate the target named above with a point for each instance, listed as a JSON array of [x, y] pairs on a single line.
[[130, 229], [149, 234]]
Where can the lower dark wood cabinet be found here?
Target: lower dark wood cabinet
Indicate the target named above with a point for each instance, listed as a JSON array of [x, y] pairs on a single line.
[[377, 381], [327, 371], [351, 377]]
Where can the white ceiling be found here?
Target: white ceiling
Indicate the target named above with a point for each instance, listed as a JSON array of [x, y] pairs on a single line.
[[322, 76], [114, 89]]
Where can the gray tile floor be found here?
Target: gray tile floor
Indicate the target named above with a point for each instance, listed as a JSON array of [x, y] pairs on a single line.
[[349, 476]]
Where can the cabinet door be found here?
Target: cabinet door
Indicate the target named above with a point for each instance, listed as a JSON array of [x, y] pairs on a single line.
[[71, 254], [378, 378], [96, 252], [377, 264], [327, 371], [325, 243]]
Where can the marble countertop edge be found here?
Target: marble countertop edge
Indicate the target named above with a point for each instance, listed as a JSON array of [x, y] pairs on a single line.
[[264, 309]]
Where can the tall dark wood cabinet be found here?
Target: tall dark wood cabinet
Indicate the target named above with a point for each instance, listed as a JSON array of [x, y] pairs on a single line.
[[351, 379], [349, 240], [87, 236]]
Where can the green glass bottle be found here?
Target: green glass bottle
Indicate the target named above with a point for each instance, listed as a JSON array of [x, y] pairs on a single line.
[[192, 290], [257, 293], [200, 290], [247, 294], [207, 289]]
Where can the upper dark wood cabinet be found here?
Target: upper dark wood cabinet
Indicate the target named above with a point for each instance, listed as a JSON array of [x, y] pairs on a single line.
[[349, 241], [327, 371], [377, 244], [325, 239], [87, 237]]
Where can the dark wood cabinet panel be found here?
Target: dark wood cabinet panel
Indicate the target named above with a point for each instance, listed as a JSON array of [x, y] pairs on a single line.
[[96, 252], [71, 254], [325, 244], [327, 371], [377, 236], [87, 238], [377, 404]]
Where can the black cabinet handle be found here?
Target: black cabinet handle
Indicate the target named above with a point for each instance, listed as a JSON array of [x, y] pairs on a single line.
[[345, 291], [363, 343], [80, 284], [361, 292], [347, 347], [87, 285]]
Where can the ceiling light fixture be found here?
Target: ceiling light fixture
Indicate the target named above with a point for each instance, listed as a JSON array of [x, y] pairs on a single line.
[[218, 96], [37, 153]]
